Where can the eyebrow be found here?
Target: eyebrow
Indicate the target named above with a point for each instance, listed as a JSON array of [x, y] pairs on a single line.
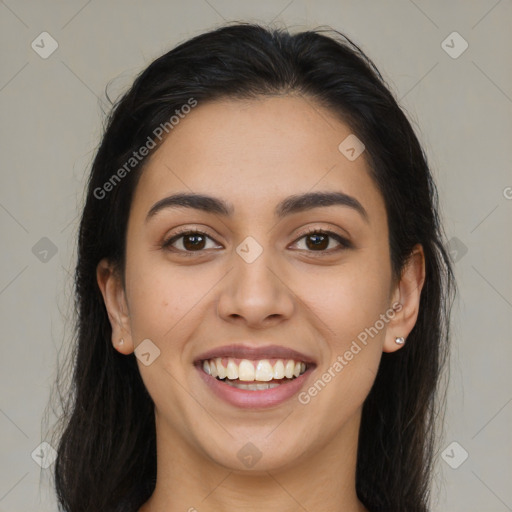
[[290, 205]]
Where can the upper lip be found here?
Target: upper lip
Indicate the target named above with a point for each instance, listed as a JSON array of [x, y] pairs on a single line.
[[250, 352]]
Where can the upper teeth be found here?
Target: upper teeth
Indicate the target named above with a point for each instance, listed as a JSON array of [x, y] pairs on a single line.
[[249, 370]]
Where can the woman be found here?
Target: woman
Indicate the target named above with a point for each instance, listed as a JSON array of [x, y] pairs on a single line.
[[262, 287]]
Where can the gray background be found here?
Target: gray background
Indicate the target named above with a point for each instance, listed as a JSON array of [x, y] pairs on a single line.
[[52, 121]]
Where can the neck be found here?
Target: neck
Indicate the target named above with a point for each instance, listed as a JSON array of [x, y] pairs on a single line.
[[318, 480]]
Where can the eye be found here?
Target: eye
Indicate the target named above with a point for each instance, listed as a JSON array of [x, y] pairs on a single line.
[[318, 240], [191, 241], [194, 241]]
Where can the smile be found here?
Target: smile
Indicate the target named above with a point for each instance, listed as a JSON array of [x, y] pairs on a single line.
[[259, 383], [264, 373]]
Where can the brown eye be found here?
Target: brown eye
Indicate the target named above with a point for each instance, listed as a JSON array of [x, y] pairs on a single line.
[[319, 241], [191, 241]]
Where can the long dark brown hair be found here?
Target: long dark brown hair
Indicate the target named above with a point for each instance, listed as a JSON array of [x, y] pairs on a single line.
[[105, 437]]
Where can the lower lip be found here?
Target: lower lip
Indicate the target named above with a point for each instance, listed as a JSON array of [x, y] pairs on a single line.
[[262, 398]]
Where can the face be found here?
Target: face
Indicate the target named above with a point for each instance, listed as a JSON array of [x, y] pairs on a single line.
[[308, 277]]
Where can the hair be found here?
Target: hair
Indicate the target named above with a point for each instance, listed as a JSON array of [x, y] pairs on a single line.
[[106, 455]]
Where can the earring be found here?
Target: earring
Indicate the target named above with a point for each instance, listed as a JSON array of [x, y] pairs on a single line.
[[400, 341], [121, 341]]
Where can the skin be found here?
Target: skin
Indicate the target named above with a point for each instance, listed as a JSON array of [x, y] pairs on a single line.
[[254, 153]]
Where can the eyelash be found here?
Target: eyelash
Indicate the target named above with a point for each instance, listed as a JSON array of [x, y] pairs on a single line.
[[345, 244]]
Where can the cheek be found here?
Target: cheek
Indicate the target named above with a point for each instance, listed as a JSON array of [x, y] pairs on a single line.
[[165, 307], [349, 306], [163, 299], [346, 300]]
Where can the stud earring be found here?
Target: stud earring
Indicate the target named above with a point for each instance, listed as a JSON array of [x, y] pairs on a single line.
[[121, 341], [400, 341]]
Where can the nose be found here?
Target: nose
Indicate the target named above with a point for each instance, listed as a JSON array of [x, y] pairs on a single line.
[[255, 293]]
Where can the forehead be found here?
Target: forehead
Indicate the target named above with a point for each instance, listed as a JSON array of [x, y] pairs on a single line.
[[255, 152]]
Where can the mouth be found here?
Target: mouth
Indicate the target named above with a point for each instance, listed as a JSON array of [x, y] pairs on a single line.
[[254, 381], [254, 375]]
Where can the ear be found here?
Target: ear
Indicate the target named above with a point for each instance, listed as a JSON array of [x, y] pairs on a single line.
[[406, 299], [109, 282]]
